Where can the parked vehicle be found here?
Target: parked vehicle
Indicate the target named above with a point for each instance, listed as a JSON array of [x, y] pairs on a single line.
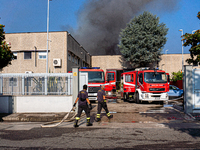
[[96, 78], [140, 85], [174, 92]]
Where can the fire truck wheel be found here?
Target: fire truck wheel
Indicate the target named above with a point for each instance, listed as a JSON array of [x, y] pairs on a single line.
[[137, 98], [125, 97]]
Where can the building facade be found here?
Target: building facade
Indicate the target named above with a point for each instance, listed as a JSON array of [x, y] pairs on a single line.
[[65, 52], [169, 62], [30, 50]]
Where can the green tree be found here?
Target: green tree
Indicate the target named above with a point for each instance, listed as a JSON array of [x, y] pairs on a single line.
[[177, 76], [6, 55], [193, 40], [142, 40]]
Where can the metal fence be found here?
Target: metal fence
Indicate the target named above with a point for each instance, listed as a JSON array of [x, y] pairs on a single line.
[[36, 84]]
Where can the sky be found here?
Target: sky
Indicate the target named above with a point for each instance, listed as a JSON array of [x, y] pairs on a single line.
[[31, 16]]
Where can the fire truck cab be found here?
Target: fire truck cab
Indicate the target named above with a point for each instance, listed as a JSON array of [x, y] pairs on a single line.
[[144, 85], [113, 82], [96, 78]]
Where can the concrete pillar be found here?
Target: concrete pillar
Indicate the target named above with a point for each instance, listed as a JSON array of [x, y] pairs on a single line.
[[188, 89], [75, 82]]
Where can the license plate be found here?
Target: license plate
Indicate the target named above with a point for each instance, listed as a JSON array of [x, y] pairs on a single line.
[[92, 98], [157, 97], [92, 94]]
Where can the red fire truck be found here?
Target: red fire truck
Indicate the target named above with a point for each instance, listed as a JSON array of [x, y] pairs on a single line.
[[96, 78], [139, 85]]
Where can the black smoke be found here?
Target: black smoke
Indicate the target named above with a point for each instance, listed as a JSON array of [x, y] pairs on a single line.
[[100, 22]]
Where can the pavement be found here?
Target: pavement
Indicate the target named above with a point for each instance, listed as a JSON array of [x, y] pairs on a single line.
[[125, 115]]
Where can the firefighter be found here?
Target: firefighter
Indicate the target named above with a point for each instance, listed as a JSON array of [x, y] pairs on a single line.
[[102, 103], [83, 104]]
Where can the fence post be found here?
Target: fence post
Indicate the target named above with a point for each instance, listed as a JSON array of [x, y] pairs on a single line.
[[69, 85], [23, 87], [45, 84]]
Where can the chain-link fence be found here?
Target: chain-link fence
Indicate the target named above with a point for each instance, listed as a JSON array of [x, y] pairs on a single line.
[[36, 84]]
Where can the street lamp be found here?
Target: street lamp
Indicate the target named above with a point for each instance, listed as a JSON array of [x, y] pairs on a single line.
[[166, 51], [182, 49], [47, 35], [193, 31]]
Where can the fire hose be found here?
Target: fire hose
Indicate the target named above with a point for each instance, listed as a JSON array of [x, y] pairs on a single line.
[[174, 99], [52, 124]]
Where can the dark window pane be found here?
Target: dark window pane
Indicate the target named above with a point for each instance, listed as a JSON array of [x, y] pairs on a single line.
[[27, 55]]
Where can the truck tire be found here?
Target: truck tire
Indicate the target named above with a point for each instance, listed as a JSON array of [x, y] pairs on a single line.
[[137, 98], [125, 97]]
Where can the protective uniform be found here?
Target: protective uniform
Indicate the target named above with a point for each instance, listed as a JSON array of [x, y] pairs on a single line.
[[82, 105], [102, 103]]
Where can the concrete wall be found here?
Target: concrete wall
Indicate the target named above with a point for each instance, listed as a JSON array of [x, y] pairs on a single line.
[[35, 104], [108, 62], [172, 62], [169, 62]]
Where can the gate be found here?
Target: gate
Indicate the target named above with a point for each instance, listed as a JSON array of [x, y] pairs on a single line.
[[196, 88]]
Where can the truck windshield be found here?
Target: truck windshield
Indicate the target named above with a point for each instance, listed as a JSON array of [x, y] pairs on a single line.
[[155, 77], [95, 76]]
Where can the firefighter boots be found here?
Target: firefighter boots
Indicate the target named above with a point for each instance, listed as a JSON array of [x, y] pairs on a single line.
[[76, 124], [88, 122], [98, 119], [111, 116]]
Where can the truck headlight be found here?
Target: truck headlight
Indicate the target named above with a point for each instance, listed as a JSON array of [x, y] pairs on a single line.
[[147, 95], [109, 93]]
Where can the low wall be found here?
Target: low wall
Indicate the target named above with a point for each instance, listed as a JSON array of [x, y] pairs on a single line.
[[35, 104], [178, 83]]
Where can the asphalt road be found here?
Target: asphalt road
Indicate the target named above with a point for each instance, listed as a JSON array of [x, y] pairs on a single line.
[[154, 127], [101, 138]]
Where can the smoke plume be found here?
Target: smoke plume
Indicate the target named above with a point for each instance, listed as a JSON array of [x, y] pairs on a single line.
[[100, 22]]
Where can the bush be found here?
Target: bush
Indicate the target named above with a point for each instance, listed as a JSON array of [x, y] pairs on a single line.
[[177, 76]]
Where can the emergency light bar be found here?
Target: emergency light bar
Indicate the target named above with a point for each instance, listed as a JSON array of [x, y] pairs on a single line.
[[90, 67], [140, 69]]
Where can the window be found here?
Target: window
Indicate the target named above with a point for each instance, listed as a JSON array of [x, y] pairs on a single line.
[[72, 58], [155, 77], [15, 55], [69, 56], [129, 78], [110, 77], [76, 60], [27, 55], [42, 55], [141, 78], [12, 81]]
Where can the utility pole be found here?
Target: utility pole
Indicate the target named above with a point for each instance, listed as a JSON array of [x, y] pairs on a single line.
[[47, 36]]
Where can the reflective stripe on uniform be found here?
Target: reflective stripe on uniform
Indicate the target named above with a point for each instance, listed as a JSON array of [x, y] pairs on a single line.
[[105, 100], [77, 118], [108, 114], [88, 117], [98, 115]]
